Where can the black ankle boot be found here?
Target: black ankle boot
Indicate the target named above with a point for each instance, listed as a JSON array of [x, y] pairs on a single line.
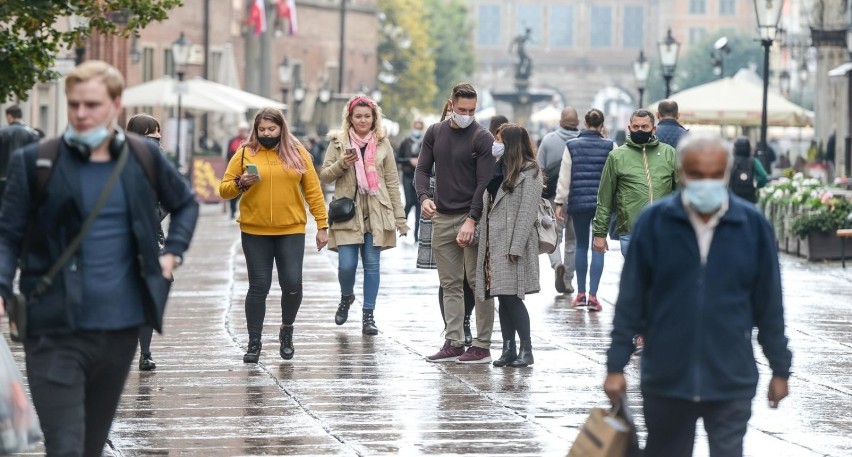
[[525, 356], [146, 363], [369, 323], [510, 352], [253, 353], [468, 338], [285, 337], [343, 309]]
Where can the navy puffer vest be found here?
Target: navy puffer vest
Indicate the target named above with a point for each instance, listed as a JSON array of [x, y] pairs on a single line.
[[588, 156]]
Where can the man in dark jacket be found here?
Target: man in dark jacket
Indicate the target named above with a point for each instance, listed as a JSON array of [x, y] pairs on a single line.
[[82, 331], [13, 136], [669, 130], [701, 273]]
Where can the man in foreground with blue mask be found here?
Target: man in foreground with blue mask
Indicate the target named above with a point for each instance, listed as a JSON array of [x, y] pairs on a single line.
[[702, 272], [91, 268]]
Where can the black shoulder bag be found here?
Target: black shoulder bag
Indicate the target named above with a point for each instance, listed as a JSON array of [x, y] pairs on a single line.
[[17, 308], [342, 209]]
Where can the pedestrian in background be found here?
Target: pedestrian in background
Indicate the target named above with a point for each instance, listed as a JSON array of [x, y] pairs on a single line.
[[234, 145], [747, 173], [638, 173], [408, 151], [496, 122], [275, 177], [507, 257], [577, 196], [550, 156], [148, 127], [81, 336], [669, 130], [701, 274], [16, 134], [460, 151], [360, 162]]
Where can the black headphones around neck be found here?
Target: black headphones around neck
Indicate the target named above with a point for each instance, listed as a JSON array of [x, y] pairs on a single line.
[[84, 153]]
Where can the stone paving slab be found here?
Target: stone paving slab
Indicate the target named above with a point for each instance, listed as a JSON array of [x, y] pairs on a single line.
[[348, 394]]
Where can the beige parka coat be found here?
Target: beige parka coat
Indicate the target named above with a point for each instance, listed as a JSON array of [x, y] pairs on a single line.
[[385, 210]]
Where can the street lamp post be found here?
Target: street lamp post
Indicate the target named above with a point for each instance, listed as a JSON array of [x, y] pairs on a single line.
[[768, 14], [804, 73], [285, 74], [75, 22], [641, 70], [848, 140], [669, 49], [298, 98], [324, 97], [720, 48], [180, 56]]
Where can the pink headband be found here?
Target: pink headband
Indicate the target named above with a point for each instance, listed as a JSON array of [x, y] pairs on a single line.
[[366, 100]]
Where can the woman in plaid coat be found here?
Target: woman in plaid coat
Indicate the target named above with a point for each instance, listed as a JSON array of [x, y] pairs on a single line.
[[508, 244]]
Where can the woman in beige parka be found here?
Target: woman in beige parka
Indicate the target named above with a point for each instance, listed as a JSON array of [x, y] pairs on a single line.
[[360, 162]]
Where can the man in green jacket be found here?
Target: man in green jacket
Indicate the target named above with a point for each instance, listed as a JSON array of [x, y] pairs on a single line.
[[636, 174]]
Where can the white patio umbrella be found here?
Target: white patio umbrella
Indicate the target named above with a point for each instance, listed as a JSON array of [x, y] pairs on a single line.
[[548, 115], [163, 92]]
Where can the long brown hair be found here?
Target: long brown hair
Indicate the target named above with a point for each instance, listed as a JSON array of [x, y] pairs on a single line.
[[288, 147], [520, 154]]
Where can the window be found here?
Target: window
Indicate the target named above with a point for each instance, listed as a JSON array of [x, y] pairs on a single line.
[[168, 63], [529, 16], [216, 63], [634, 22], [696, 34], [601, 27], [561, 26], [488, 25], [147, 64], [697, 6], [727, 7]]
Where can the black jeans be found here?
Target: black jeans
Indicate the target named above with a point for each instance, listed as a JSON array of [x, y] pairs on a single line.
[[76, 382], [146, 333], [411, 201], [671, 426], [288, 251]]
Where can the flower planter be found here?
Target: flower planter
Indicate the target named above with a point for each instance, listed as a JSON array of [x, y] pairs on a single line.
[[820, 246]]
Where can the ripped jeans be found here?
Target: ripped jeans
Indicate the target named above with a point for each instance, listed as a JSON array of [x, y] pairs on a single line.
[[288, 252]]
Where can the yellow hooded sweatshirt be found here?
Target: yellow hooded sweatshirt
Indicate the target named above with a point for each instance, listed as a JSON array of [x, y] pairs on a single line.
[[275, 205]]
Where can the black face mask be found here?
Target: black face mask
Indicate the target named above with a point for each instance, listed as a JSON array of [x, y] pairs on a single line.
[[640, 137], [269, 142]]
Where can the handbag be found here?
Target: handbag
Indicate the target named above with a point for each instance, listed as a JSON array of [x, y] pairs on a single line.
[[342, 209], [19, 426], [18, 303], [545, 227]]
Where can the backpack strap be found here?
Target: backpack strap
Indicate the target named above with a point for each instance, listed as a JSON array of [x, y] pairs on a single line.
[[48, 151], [142, 151]]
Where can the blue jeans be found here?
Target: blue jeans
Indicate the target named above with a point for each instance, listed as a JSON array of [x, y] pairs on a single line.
[[625, 242], [582, 229], [347, 266], [671, 425]]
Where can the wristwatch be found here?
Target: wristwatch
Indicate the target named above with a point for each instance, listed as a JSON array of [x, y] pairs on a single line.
[[470, 216], [178, 260]]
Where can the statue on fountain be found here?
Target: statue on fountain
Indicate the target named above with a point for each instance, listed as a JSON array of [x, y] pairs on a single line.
[[523, 67]]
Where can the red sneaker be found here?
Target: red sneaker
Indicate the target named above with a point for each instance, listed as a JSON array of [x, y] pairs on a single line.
[[475, 355], [448, 353], [594, 304], [579, 300]]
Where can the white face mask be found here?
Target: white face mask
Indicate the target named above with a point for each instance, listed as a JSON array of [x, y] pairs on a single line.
[[497, 149], [462, 120]]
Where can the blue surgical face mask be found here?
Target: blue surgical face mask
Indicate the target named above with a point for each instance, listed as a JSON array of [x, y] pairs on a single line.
[[706, 195], [91, 138], [497, 149]]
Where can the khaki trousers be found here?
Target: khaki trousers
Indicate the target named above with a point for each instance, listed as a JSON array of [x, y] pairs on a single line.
[[453, 264]]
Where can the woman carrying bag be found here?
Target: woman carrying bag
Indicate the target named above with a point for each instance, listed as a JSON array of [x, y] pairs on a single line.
[[507, 260], [361, 163]]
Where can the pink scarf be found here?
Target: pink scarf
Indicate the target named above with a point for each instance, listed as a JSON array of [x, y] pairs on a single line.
[[365, 170]]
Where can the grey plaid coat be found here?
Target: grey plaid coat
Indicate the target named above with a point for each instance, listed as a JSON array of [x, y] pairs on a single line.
[[510, 229]]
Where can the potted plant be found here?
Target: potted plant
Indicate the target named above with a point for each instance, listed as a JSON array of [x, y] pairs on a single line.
[[823, 214]]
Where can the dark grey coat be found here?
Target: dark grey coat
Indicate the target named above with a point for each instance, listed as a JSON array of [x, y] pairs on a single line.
[[508, 228]]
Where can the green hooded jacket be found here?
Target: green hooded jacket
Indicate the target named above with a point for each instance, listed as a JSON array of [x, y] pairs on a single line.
[[634, 176]]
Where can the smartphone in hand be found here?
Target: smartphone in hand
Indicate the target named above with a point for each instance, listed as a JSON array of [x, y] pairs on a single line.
[[351, 152], [252, 169]]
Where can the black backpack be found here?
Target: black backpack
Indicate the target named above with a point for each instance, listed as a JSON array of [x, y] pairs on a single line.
[[551, 179], [742, 179]]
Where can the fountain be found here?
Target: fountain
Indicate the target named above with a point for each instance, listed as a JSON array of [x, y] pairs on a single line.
[[523, 98]]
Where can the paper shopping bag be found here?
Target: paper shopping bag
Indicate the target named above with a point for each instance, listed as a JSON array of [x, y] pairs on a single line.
[[603, 435]]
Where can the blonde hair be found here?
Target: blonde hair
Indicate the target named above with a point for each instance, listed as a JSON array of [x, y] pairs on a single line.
[[377, 128], [92, 69]]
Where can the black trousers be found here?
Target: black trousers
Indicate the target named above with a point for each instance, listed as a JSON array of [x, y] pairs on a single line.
[[671, 426], [76, 382], [288, 252], [411, 202]]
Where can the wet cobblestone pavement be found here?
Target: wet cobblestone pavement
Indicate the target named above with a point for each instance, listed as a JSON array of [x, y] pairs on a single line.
[[349, 394]]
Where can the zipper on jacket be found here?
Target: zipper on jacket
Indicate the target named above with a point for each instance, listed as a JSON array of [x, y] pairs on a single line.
[[698, 333], [648, 175]]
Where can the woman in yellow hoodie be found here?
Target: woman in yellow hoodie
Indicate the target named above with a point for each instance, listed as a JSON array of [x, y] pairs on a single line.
[[361, 164], [276, 177]]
